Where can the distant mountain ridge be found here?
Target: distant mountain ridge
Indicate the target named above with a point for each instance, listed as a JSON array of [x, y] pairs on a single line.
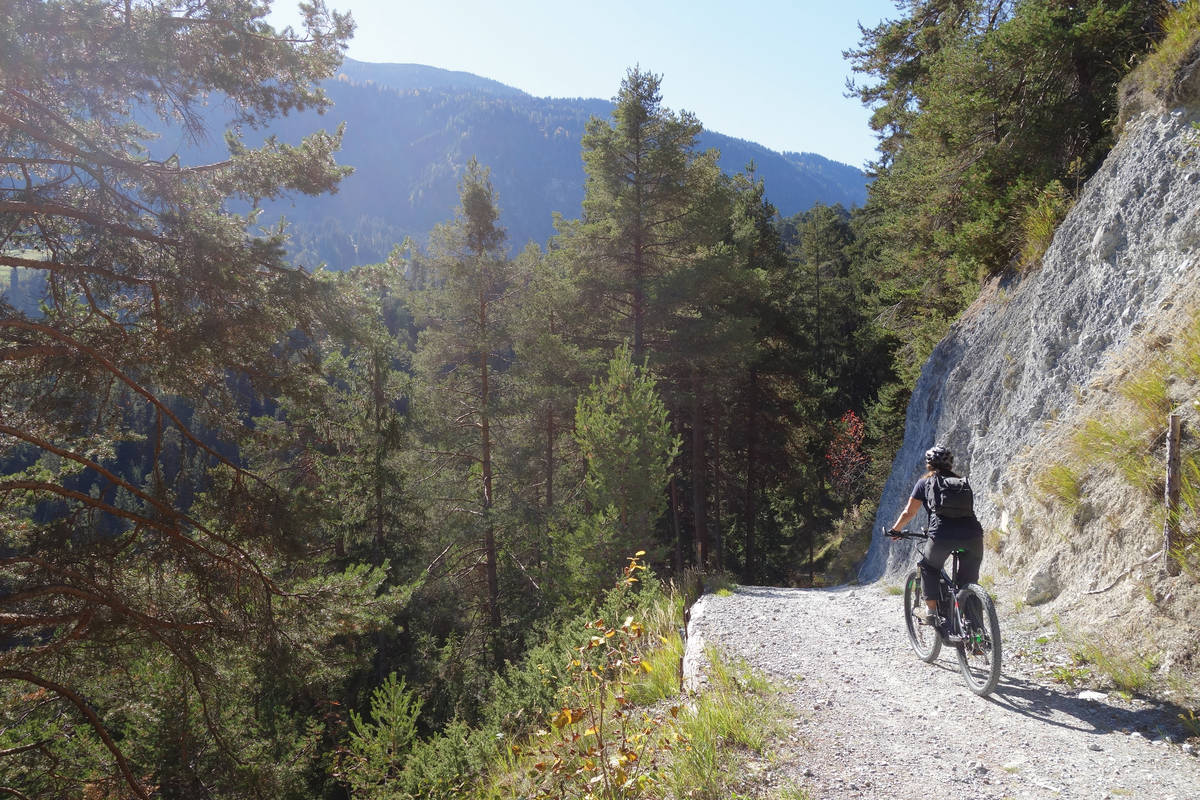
[[418, 76], [410, 129]]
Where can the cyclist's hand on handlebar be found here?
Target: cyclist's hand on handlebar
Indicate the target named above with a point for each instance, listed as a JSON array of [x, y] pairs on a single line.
[[893, 534]]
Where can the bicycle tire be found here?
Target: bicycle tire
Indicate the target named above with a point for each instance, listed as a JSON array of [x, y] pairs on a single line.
[[925, 640], [979, 652]]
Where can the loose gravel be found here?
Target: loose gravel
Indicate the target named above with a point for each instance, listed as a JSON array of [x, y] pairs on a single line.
[[870, 720]]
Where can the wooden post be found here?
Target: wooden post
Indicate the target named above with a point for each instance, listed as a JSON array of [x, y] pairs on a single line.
[[1171, 496]]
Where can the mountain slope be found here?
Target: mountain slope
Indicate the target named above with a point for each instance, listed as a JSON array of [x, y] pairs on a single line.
[[411, 129]]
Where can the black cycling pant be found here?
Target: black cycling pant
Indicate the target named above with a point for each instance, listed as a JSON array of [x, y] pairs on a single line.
[[934, 554]]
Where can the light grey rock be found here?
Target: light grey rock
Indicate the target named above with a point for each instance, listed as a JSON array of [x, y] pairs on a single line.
[[1043, 585]]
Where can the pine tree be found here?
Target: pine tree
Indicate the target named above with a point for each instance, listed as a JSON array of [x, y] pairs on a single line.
[[549, 371], [622, 429], [639, 198], [461, 353], [149, 611]]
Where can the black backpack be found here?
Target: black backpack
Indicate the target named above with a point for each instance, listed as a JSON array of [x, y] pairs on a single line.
[[949, 497]]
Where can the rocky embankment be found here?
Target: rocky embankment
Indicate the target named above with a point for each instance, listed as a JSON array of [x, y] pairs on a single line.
[[868, 720], [1035, 356], [1025, 356]]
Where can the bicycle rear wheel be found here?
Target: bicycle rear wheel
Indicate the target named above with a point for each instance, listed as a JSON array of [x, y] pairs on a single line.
[[924, 639], [979, 650]]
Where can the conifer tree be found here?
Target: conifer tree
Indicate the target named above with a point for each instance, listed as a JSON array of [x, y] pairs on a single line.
[[623, 432], [148, 611], [549, 371], [639, 196], [462, 350]]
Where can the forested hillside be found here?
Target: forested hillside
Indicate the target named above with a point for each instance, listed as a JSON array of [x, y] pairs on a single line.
[[410, 131], [275, 532]]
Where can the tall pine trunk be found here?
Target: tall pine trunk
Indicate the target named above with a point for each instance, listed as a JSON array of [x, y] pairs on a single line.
[[638, 302], [699, 471], [378, 400], [718, 535], [749, 511], [489, 534], [675, 525]]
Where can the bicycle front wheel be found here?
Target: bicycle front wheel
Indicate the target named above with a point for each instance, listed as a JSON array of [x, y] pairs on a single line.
[[979, 650], [923, 638]]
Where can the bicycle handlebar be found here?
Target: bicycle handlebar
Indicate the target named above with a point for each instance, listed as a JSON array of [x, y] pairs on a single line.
[[904, 534]]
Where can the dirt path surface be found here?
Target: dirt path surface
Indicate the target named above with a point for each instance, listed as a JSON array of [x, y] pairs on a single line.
[[870, 720]]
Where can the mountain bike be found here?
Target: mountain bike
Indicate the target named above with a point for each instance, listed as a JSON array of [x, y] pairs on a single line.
[[966, 620]]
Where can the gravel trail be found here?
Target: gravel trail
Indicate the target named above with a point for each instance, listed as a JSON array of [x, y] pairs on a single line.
[[870, 720]]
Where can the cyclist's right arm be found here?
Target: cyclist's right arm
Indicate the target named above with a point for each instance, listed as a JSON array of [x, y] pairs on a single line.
[[906, 516]]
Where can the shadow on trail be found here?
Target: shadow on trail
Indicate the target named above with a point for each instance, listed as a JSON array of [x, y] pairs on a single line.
[[1061, 710]]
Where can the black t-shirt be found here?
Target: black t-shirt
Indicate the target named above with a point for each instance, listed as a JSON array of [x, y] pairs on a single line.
[[946, 527]]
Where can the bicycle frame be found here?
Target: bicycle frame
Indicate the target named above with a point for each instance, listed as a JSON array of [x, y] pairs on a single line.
[[973, 632], [948, 607]]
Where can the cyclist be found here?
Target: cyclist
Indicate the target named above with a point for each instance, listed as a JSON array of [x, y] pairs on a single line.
[[946, 533]]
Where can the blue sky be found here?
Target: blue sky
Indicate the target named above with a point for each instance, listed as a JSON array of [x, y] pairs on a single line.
[[769, 71]]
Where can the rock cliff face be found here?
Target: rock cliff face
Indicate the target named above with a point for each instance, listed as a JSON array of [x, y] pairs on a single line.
[[1032, 352]]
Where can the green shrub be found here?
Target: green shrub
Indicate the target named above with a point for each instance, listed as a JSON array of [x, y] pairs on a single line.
[[379, 745], [1149, 392], [600, 745], [720, 583], [662, 680], [526, 693], [1059, 482], [1188, 514], [1128, 670], [1071, 675], [1181, 31], [1129, 449], [1041, 220]]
